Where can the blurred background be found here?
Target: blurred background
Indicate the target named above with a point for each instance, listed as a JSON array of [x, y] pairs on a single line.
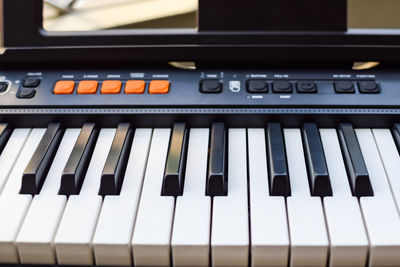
[[87, 15]]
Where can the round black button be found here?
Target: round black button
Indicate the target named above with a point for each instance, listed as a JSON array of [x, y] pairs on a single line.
[[257, 86], [3, 87], [282, 87], [306, 87], [368, 87], [26, 93], [344, 87]]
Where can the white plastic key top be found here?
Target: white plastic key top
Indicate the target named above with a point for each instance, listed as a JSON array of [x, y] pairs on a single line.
[[230, 225], [380, 213], [390, 159], [35, 238], [112, 239], [13, 206], [191, 230], [308, 235], [348, 238], [152, 233], [268, 219], [75, 232], [11, 152]]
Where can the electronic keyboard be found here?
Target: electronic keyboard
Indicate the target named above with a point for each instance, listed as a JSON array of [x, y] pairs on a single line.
[[167, 167]]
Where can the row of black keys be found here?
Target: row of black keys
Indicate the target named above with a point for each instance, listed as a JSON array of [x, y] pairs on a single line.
[[217, 177]]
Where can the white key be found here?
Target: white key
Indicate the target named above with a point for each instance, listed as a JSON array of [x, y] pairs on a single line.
[[14, 206], [74, 235], [348, 238], [390, 159], [380, 213], [268, 219], [308, 235], [230, 225], [152, 233], [11, 152], [34, 241], [191, 230], [112, 239]]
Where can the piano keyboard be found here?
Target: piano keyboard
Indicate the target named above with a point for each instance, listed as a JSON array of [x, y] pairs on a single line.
[[214, 196]]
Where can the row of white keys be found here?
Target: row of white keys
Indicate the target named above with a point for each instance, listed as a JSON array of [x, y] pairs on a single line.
[[230, 225], [380, 213], [268, 220], [112, 238], [191, 230], [348, 239], [152, 233], [74, 235], [309, 239], [34, 240], [13, 206]]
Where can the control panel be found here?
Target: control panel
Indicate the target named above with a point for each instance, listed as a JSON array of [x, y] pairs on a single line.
[[199, 88]]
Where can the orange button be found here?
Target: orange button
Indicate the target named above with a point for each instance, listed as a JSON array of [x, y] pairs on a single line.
[[64, 87], [134, 87], [87, 87], [159, 87], [111, 87]]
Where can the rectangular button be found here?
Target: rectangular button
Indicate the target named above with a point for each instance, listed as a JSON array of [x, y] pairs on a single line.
[[356, 169], [217, 180], [174, 170], [114, 168], [87, 87], [318, 175], [111, 87], [159, 87], [36, 171], [279, 184], [64, 87], [75, 169], [134, 87]]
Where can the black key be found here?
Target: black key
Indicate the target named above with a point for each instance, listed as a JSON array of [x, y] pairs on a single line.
[[396, 135], [217, 179], [36, 171], [355, 165], [279, 184], [5, 133], [115, 166], [174, 170], [318, 176], [77, 164]]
